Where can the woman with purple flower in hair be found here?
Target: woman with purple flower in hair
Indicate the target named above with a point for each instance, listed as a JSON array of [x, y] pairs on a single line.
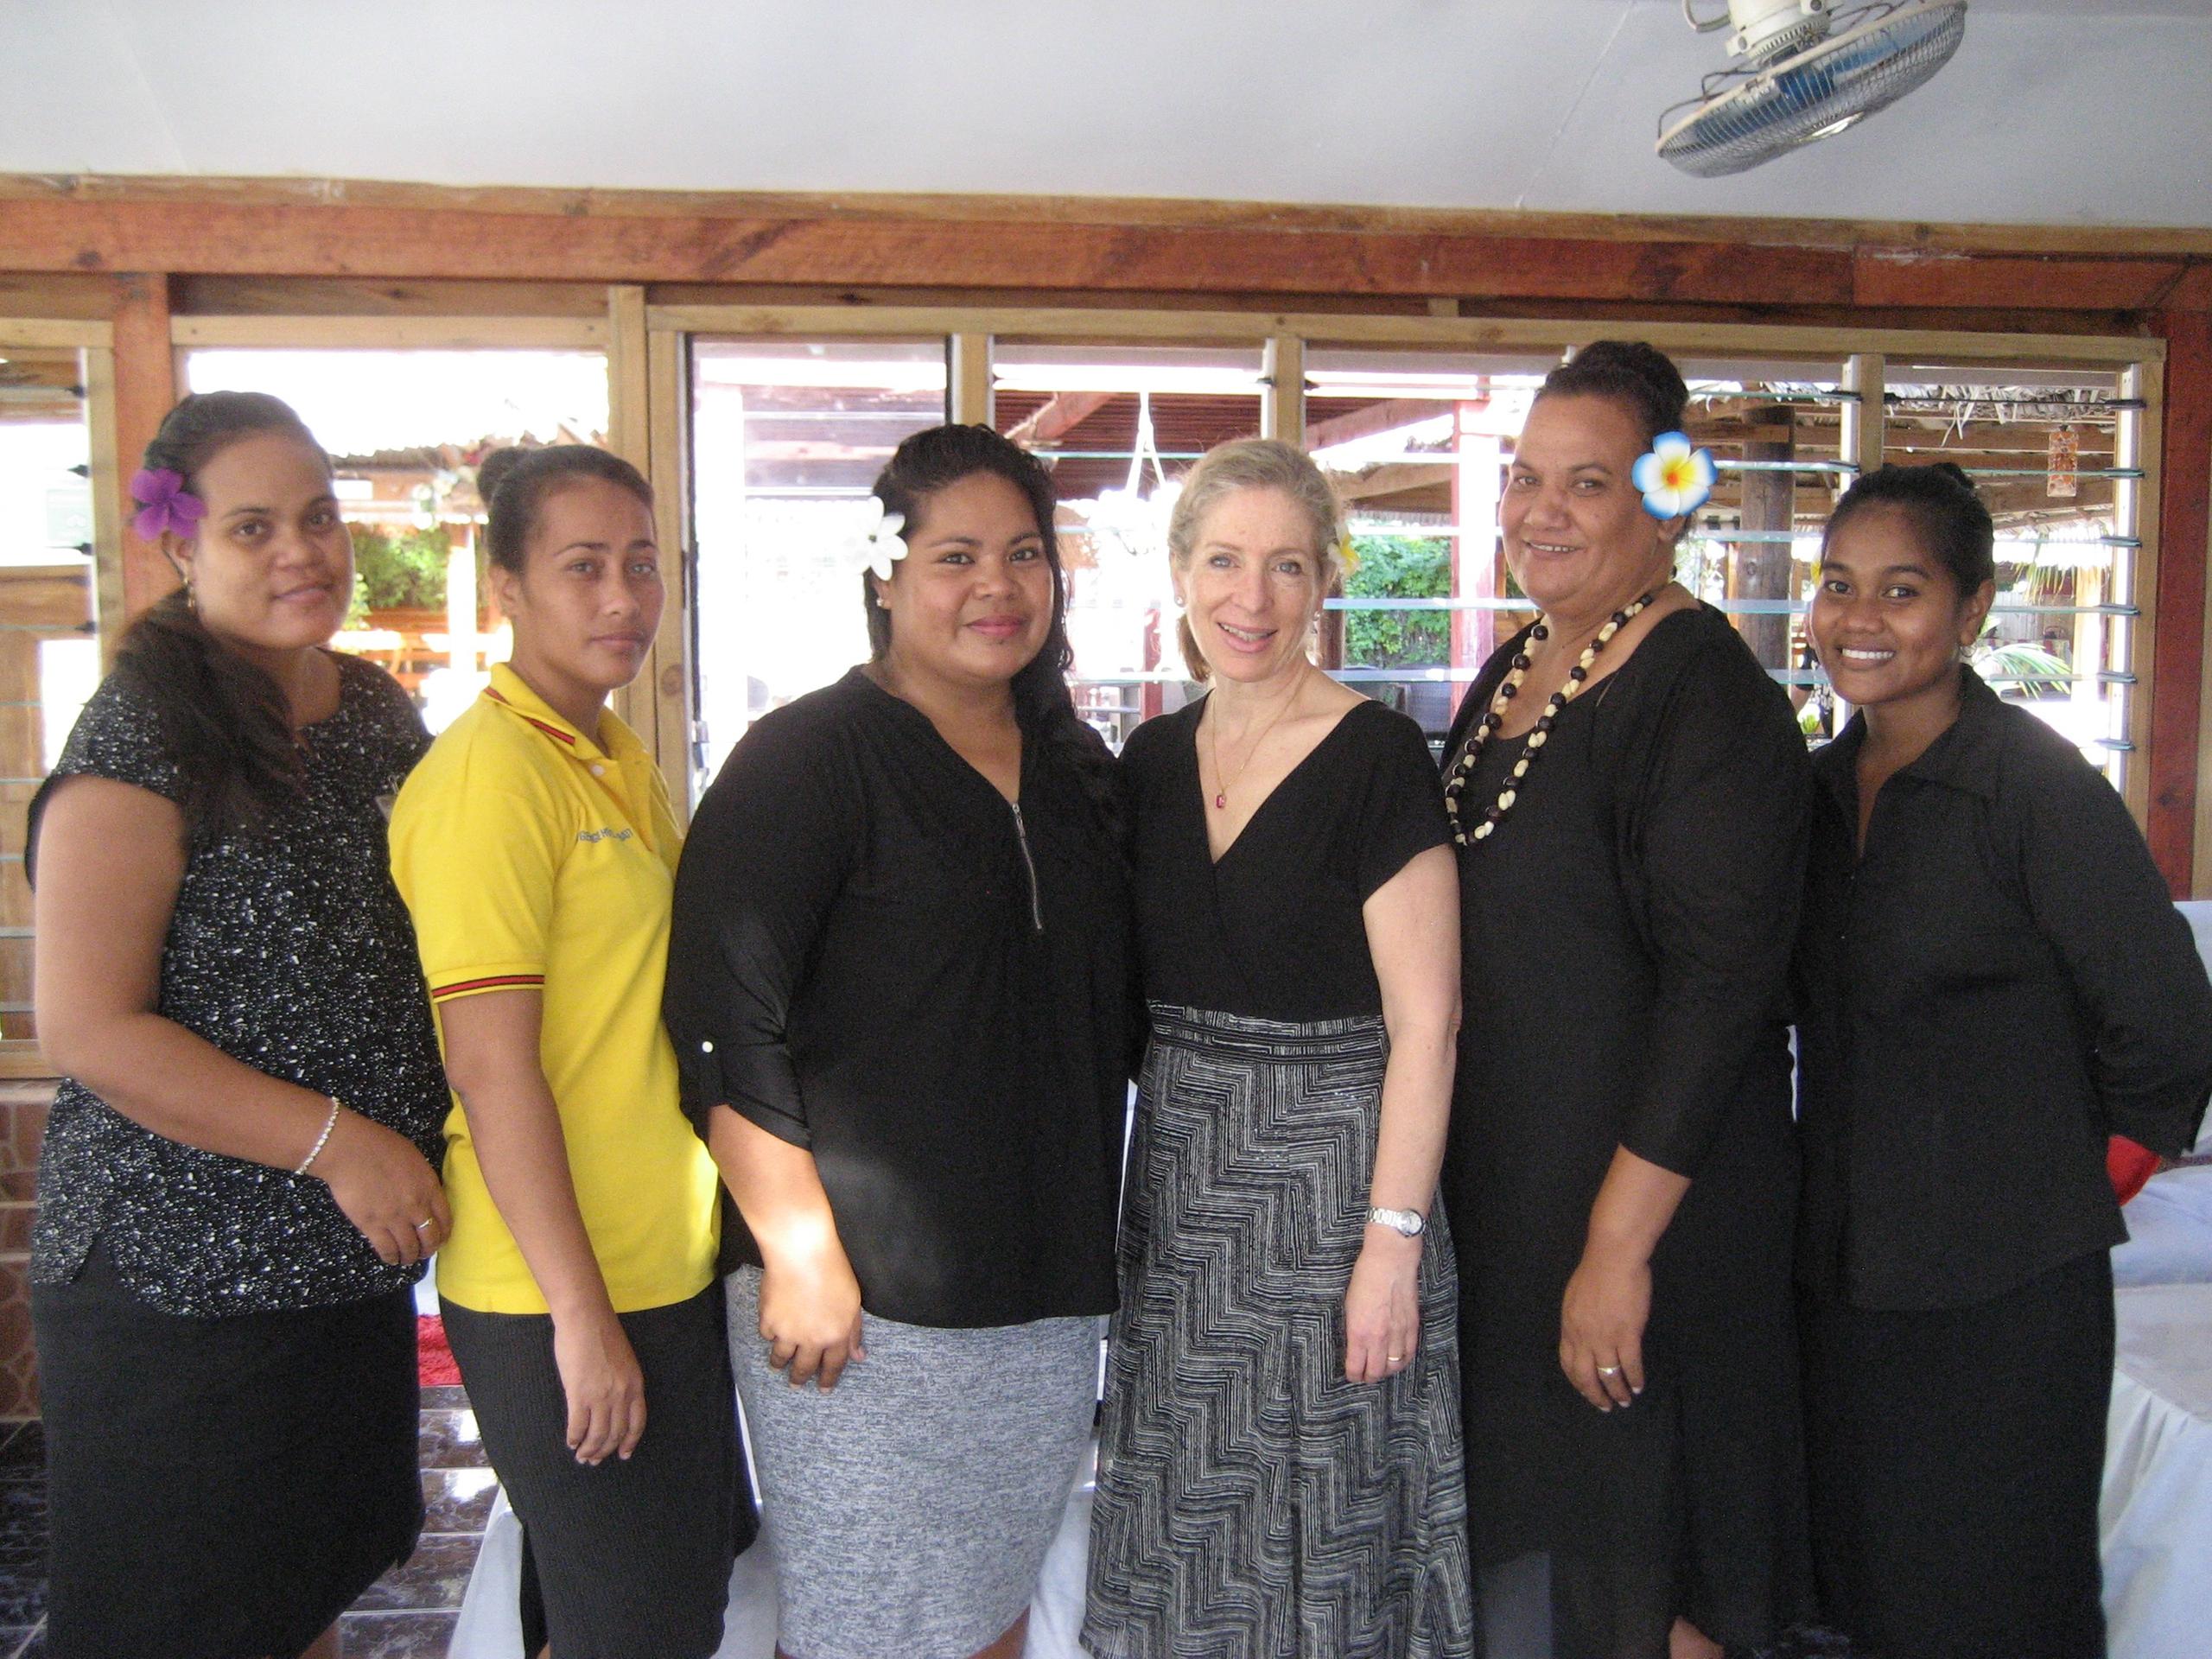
[[238, 1185]]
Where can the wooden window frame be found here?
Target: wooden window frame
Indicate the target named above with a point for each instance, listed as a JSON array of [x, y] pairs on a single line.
[[1285, 337], [95, 342]]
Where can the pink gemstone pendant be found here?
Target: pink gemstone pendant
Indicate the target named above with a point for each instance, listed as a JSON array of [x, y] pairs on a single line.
[[1221, 800]]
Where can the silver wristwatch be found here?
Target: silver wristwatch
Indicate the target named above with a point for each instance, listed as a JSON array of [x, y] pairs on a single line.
[[1408, 1221]]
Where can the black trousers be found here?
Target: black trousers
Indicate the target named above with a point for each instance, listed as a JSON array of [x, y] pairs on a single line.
[[630, 1558], [1957, 1457]]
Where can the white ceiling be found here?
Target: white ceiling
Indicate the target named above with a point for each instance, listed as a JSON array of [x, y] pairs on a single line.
[[2055, 112]]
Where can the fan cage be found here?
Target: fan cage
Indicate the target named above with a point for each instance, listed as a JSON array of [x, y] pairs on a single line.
[[1822, 91]]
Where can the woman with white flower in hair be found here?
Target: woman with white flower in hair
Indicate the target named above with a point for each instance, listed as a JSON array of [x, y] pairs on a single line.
[[1628, 793], [899, 988]]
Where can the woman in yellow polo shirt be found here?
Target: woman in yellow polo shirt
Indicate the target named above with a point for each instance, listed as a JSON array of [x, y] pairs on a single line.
[[536, 847]]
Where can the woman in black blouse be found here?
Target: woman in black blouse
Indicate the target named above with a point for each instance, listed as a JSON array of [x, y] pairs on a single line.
[[236, 1189], [898, 989], [1994, 982], [1629, 790]]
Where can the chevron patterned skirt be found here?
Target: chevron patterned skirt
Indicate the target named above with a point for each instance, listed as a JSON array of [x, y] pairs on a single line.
[[1250, 1500]]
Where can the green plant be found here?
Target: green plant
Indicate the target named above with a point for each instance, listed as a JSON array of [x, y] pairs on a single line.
[[1395, 567], [402, 569], [2031, 668]]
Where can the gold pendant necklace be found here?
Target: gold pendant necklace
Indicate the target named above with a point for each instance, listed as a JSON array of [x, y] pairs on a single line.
[[1222, 779]]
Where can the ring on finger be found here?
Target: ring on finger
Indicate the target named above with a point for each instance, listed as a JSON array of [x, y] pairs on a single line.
[[1609, 1370], [425, 1226]]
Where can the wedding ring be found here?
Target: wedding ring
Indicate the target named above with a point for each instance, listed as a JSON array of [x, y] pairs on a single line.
[[424, 1226], [1609, 1370], [1397, 1359]]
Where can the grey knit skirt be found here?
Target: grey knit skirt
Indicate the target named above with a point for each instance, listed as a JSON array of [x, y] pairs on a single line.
[[911, 1506], [1252, 1503]]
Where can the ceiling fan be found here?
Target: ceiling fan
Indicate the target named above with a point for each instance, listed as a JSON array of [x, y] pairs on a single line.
[[1808, 69]]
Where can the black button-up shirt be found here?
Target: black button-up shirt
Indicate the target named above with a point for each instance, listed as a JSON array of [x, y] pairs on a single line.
[[1995, 986], [876, 956]]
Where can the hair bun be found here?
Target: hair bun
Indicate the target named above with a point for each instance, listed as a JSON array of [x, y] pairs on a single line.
[[1639, 360], [1639, 377], [1955, 473], [495, 466]]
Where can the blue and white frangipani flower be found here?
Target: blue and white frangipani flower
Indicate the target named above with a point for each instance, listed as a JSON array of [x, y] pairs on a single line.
[[877, 545], [1675, 478]]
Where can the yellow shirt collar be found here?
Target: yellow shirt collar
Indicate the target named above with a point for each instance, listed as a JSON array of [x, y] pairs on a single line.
[[511, 693]]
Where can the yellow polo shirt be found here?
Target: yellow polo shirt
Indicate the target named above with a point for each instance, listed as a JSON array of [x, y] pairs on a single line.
[[533, 857]]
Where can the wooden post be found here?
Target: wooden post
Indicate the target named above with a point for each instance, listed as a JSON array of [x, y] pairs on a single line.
[[1283, 389], [968, 380], [669, 383], [108, 481], [2179, 801], [145, 390], [1864, 420], [628, 434], [1282, 414], [1762, 569]]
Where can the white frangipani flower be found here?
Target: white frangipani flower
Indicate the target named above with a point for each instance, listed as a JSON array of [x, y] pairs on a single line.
[[877, 545]]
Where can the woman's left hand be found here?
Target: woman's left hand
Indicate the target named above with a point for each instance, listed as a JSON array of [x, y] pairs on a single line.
[[1382, 1306], [1601, 1325]]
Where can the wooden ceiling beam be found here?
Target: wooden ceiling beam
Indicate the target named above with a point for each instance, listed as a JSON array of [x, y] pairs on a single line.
[[1391, 479], [1166, 212], [2043, 282], [245, 235], [1058, 416], [432, 244], [1387, 416]]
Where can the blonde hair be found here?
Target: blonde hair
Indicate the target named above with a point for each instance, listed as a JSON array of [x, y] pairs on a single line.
[[1253, 464]]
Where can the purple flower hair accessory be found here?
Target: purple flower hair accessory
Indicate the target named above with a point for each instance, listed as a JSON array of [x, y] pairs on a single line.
[[165, 504]]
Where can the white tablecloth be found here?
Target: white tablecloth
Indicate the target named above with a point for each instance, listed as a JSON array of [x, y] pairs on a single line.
[[2157, 1509], [491, 1626]]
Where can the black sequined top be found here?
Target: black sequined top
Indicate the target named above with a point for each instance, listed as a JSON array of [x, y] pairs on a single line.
[[289, 950]]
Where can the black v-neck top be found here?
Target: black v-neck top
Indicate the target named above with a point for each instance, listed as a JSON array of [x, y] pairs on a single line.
[[876, 956], [1274, 931]]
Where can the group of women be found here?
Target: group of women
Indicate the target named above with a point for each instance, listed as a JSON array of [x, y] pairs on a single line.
[[1473, 1286]]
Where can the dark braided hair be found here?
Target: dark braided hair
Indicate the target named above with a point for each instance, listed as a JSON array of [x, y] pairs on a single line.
[[937, 457], [1946, 513], [224, 719], [1641, 379]]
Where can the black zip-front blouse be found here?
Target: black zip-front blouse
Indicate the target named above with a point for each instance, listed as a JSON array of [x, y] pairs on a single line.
[[877, 956], [1998, 983]]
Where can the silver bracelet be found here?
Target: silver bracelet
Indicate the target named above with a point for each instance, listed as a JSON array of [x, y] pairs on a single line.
[[322, 1140]]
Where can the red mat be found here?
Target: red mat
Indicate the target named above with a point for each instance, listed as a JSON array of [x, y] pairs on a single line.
[[433, 1358]]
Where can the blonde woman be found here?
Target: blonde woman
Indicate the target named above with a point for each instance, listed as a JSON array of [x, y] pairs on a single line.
[[1281, 1467]]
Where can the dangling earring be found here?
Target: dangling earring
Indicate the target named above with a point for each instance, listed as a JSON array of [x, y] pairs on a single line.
[[191, 597]]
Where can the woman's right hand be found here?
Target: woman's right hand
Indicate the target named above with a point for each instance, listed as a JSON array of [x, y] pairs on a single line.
[[385, 1187], [604, 1388], [811, 1314]]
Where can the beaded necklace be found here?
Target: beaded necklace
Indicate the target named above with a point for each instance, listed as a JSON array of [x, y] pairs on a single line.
[[1455, 785]]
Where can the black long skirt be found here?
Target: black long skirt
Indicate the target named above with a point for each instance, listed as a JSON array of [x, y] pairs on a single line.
[[1956, 1459], [220, 1488]]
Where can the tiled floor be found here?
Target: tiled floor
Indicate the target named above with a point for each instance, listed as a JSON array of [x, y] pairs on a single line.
[[407, 1614]]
